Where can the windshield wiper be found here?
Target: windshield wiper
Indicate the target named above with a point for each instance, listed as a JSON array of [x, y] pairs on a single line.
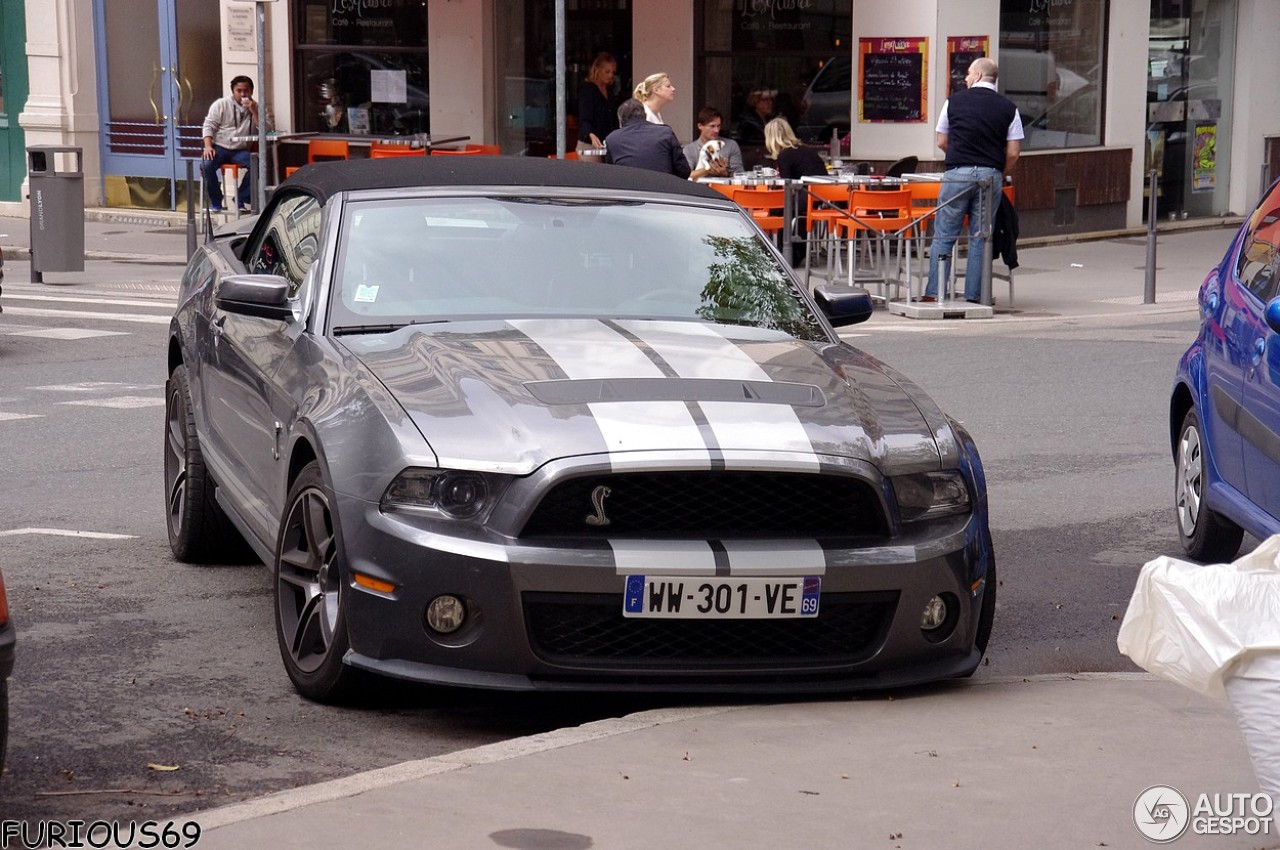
[[389, 327]]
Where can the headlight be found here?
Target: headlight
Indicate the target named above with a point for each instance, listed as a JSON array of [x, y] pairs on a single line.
[[928, 495], [459, 494]]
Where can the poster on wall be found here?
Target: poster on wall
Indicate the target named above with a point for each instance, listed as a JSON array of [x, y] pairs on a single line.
[[962, 50], [1204, 163], [891, 82]]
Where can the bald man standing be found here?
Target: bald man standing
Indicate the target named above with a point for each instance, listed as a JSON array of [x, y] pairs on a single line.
[[981, 132]]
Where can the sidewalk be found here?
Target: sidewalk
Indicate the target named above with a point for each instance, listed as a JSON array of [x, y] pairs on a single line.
[[1047, 762]]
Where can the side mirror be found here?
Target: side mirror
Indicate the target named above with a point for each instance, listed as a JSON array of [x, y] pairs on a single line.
[[1273, 314], [263, 295], [843, 305]]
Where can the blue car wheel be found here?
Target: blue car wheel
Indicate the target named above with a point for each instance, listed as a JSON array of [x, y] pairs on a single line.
[[1206, 535]]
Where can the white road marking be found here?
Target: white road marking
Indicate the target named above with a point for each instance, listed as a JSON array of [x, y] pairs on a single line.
[[67, 532], [85, 314], [90, 386], [7, 416], [124, 402], [1161, 297], [62, 299], [65, 333]]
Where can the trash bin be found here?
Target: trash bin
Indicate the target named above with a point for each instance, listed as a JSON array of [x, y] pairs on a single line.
[[57, 210]]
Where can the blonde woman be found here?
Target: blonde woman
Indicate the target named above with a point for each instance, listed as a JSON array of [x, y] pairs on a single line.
[[597, 111], [655, 91], [794, 159]]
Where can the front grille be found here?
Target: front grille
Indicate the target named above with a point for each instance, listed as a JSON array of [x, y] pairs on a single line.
[[589, 630], [712, 505]]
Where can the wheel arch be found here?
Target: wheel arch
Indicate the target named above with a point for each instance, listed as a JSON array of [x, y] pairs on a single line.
[[1181, 401]]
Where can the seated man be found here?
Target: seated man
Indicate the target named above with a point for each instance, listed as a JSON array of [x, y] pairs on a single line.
[[640, 144], [230, 120]]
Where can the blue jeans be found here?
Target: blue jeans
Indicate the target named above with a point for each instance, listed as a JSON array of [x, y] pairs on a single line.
[[209, 169], [950, 220]]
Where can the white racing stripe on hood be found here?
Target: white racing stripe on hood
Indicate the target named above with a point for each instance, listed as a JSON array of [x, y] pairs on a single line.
[[590, 350], [775, 557], [663, 557], [736, 425]]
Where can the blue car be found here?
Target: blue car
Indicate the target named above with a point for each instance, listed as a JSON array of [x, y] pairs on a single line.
[[1224, 416]]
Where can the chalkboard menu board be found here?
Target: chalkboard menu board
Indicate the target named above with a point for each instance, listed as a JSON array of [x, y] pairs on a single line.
[[961, 51], [891, 85]]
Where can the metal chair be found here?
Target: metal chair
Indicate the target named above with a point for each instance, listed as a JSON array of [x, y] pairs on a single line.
[[906, 165], [881, 222]]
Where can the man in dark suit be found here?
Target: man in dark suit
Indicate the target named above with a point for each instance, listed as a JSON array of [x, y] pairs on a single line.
[[639, 144]]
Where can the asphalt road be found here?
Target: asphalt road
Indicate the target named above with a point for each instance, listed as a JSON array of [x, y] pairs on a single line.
[[145, 688]]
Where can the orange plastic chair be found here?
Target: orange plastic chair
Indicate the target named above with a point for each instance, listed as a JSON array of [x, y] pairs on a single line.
[[725, 189], [485, 150], [819, 215], [765, 206], [882, 220], [450, 152], [327, 150], [383, 150]]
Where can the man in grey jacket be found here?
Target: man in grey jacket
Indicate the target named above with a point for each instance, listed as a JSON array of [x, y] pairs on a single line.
[[230, 121]]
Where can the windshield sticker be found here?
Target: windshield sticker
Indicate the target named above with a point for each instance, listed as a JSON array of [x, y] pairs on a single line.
[[366, 293]]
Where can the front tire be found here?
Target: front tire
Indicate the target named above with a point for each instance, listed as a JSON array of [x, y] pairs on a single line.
[[199, 531], [1205, 534], [310, 576]]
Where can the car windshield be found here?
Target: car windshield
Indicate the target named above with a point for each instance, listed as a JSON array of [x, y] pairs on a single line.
[[450, 259]]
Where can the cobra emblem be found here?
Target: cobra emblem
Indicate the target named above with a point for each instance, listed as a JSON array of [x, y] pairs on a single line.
[[598, 495]]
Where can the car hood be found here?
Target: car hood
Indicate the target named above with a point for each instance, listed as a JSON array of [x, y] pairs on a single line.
[[511, 396]]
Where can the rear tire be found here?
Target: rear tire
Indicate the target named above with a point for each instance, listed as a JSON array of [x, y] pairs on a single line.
[[199, 531], [1206, 536]]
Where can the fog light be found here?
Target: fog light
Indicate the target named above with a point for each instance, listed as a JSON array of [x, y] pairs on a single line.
[[935, 614], [445, 614]]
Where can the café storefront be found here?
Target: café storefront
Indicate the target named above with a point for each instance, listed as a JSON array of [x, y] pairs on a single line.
[[1107, 90]]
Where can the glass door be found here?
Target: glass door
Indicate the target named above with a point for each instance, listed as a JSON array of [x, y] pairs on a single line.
[[1190, 65], [162, 66]]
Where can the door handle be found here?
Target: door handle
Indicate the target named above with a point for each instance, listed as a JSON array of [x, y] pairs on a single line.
[[1259, 349], [151, 93], [217, 328]]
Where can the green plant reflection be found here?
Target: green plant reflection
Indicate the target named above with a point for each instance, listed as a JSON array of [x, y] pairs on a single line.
[[746, 286]]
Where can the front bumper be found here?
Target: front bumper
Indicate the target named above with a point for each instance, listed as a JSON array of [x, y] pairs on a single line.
[[551, 618]]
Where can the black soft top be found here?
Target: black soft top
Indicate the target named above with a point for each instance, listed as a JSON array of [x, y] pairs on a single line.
[[329, 178]]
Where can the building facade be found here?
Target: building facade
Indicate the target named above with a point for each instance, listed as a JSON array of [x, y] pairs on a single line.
[[1109, 91]]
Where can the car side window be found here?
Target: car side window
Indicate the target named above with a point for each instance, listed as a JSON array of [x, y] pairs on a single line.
[[1259, 256], [290, 242]]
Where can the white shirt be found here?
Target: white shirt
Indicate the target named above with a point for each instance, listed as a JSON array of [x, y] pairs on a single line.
[[651, 116], [1015, 126]]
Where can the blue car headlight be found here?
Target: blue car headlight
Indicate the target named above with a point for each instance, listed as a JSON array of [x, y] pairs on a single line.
[[455, 493], [929, 495]]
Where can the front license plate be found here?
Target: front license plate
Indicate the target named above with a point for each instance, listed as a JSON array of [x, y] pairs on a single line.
[[721, 598]]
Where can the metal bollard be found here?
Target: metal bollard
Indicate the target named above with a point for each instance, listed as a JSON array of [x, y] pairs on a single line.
[[191, 210], [1149, 286]]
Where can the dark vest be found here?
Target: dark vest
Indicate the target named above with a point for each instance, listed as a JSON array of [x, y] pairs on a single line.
[[979, 120]]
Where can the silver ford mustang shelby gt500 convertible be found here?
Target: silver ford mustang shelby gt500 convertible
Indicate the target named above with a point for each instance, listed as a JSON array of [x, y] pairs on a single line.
[[519, 423]]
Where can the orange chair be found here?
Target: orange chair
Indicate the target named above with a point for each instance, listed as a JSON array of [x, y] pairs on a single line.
[[485, 150], [383, 150], [725, 189], [826, 203], [765, 206], [881, 220], [230, 178], [449, 152], [327, 150]]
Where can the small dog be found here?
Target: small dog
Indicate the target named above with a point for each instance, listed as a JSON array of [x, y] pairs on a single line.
[[710, 152]]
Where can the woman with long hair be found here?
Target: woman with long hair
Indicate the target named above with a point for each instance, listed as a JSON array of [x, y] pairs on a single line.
[[597, 114], [794, 159], [655, 91]]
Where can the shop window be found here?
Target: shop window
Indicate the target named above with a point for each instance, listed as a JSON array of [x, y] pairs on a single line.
[[756, 61], [361, 66], [1052, 66]]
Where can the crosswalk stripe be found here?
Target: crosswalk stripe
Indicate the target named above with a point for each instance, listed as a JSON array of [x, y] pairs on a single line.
[[85, 314]]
